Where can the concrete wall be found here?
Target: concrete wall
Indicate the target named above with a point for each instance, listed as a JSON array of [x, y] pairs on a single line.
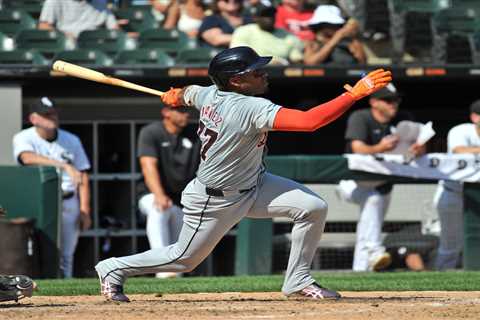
[[10, 120]]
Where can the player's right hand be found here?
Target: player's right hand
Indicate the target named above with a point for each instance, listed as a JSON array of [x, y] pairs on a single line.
[[173, 97], [388, 142], [162, 202], [74, 174], [369, 84]]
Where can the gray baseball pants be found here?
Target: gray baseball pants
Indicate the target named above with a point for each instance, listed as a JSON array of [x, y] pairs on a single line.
[[208, 218]]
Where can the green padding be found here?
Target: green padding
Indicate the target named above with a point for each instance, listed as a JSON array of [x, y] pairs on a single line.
[[471, 254], [32, 192], [253, 253]]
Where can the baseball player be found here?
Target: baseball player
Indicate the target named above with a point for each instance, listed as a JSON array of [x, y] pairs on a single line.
[[169, 157], [448, 199], [45, 144], [232, 182]]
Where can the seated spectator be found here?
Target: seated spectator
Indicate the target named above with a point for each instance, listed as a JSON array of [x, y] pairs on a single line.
[[293, 16], [74, 16], [335, 40], [216, 30], [186, 16], [264, 38]]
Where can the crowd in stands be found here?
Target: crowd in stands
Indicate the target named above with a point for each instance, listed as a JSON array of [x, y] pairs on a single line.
[[309, 32]]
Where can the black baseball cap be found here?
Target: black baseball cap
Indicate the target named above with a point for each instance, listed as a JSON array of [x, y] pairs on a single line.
[[42, 106], [475, 107], [387, 93]]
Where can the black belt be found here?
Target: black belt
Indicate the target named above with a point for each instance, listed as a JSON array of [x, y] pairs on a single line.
[[68, 195], [219, 193]]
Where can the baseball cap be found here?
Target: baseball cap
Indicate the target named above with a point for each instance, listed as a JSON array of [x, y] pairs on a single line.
[[389, 92], [475, 107], [42, 106], [326, 14]]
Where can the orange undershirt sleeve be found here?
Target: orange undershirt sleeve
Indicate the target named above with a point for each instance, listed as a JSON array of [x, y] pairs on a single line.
[[319, 116]]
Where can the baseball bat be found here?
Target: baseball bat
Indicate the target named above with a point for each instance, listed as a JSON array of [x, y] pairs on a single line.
[[92, 75]]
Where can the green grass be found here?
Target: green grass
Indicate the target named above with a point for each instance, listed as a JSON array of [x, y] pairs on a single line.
[[342, 281]]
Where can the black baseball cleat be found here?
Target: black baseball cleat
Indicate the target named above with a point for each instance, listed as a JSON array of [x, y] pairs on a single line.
[[112, 292], [316, 291]]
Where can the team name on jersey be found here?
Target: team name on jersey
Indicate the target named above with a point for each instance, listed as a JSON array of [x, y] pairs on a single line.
[[209, 112]]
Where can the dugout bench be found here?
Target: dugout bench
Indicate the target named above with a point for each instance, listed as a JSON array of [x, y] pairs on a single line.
[[254, 243]]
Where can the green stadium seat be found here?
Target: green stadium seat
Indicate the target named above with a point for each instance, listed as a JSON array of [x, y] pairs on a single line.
[[430, 6], [48, 42], [109, 41], [459, 20], [155, 57], [466, 4], [88, 57], [139, 19], [22, 57], [32, 7], [170, 41], [13, 21], [201, 56]]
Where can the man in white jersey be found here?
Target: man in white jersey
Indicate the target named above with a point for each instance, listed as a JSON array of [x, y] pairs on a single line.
[[232, 182], [448, 199], [47, 145]]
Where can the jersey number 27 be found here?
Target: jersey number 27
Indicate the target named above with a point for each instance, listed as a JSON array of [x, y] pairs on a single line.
[[208, 141]]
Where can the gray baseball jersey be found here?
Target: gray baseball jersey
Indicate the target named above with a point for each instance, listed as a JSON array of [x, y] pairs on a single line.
[[231, 124]]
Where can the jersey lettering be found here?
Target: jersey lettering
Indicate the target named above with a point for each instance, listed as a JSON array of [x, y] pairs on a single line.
[[210, 138]]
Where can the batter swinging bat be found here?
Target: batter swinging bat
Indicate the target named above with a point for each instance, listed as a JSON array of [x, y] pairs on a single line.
[[92, 75]]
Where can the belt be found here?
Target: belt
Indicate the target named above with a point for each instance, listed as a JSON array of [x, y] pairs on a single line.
[[222, 193], [68, 195]]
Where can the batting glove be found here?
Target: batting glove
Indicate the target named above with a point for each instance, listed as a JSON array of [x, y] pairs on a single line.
[[173, 97], [369, 84]]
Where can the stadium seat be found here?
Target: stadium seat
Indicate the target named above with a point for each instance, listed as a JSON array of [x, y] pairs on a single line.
[[109, 41], [48, 42], [22, 57], [155, 57], [200, 56], [32, 7], [456, 20], [466, 4], [170, 41], [13, 21], [84, 57], [138, 19], [418, 5]]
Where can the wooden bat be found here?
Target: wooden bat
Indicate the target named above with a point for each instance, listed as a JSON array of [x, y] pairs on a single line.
[[92, 75]]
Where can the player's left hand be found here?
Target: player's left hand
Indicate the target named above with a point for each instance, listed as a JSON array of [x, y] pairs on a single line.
[[173, 97], [417, 149], [369, 84], [85, 221]]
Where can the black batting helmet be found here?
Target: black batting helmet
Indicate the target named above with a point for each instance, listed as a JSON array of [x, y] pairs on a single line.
[[234, 61]]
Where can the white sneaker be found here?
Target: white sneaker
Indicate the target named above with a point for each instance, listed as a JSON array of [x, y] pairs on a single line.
[[165, 275], [315, 291], [380, 262]]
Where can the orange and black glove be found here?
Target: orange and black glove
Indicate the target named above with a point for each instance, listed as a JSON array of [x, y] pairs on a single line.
[[369, 84], [173, 97]]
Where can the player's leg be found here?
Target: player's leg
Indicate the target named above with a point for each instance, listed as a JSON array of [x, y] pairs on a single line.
[[280, 197], [157, 229], [369, 251], [205, 222], [70, 233], [449, 205]]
